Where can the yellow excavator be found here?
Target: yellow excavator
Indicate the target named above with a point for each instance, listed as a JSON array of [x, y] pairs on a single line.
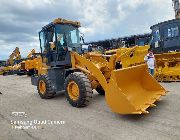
[[15, 57], [12, 62], [127, 91]]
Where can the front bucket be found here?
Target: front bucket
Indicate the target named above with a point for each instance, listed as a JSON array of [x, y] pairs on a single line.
[[132, 90]]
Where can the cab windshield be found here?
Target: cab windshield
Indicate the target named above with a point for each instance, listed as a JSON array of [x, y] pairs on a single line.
[[67, 35]]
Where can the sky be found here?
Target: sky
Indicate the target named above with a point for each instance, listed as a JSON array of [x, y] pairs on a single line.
[[21, 20]]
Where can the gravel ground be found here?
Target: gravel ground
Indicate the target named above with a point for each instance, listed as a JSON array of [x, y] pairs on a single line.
[[95, 122]]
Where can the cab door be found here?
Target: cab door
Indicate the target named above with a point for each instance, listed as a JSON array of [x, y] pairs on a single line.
[[48, 44]]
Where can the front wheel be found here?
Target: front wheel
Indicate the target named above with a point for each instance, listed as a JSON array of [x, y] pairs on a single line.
[[44, 87], [78, 89]]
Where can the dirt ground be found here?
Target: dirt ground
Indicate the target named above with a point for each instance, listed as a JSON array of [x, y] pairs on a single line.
[[20, 101]]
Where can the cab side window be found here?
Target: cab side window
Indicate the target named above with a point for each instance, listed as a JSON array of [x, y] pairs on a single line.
[[171, 32], [42, 41], [49, 36]]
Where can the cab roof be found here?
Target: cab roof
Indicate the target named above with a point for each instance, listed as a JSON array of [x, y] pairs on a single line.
[[62, 22]]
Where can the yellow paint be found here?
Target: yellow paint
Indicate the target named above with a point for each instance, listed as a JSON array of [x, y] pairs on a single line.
[[130, 90], [36, 64], [65, 21], [168, 66], [127, 91], [42, 87], [30, 55], [14, 56], [134, 90], [5, 69], [73, 90]]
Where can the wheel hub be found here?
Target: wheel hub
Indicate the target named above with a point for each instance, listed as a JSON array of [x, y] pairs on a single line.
[[42, 87], [73, 90]]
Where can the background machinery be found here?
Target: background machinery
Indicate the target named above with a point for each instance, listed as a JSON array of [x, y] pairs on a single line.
[[127, 91], [33, 64], [14, 58], [165, 35], [166, 44], [25, 66], [12, 63], [2, 65]]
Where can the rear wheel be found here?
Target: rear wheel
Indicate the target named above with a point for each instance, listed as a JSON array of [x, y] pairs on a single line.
[[78, 89], [44, 87]]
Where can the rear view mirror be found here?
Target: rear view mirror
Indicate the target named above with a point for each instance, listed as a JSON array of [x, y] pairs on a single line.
[[82, 39]]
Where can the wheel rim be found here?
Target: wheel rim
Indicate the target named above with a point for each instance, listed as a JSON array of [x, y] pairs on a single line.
[[73, 90], [42, 86]]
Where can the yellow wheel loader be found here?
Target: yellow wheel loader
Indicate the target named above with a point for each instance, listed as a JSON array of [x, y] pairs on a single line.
[[127, 91]]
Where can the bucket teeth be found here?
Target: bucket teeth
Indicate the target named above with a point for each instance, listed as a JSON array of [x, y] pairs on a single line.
[[158, 99], [161, 94], [151, 105], [154, 99], [145, 112]]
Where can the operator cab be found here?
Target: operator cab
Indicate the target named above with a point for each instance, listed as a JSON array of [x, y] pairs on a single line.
[[57, 39], [166, 36]]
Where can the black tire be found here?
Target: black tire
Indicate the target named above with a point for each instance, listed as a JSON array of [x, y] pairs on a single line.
[[30, 72], [49, 92], [85, 89], [5, 74], [100, 90], [20, 73]]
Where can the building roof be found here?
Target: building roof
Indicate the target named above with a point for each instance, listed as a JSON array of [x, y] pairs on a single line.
[[165, 22]]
